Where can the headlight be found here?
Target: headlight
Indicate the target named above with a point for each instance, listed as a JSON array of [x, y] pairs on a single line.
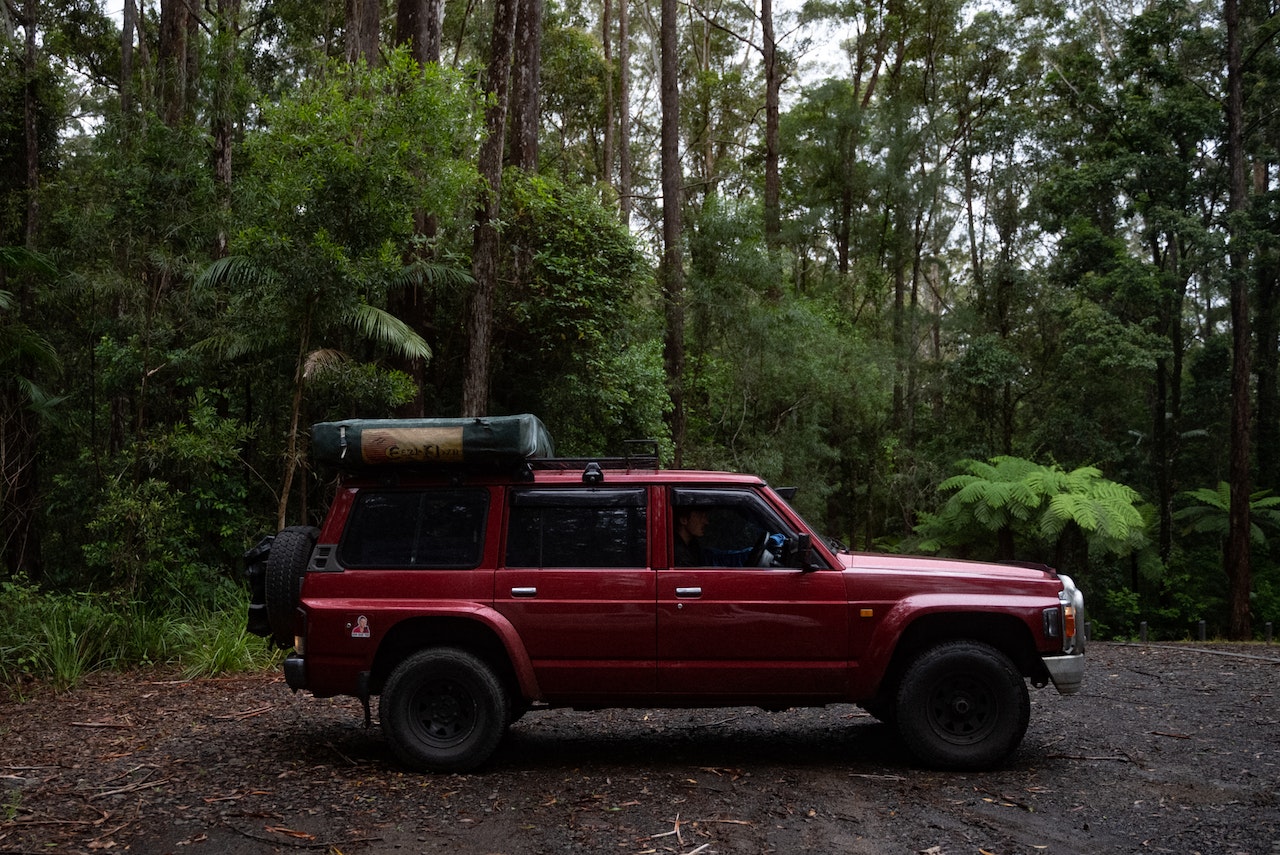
[[1053, 622]]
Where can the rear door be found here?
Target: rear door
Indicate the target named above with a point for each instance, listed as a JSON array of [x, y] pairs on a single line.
[[576, 583], [737, 629]]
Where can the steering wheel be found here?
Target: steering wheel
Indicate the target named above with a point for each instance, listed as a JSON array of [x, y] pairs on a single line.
[[757, 551]]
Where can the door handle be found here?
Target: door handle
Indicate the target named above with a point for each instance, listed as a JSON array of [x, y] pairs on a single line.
[[524, 592], [688, 592]]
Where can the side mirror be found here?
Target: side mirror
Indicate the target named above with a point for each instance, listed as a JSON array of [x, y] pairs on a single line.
[[801, 549]]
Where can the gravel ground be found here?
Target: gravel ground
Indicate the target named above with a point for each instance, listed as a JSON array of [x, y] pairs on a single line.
[[1167, 748]]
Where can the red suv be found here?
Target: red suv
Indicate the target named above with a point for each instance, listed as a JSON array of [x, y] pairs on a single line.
[[466, 576]]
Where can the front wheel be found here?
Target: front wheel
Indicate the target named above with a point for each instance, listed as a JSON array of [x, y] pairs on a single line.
[[443, 710], [963, 705]]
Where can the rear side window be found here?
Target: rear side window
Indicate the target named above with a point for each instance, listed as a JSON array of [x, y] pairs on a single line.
[[577, 528], [420, 528]]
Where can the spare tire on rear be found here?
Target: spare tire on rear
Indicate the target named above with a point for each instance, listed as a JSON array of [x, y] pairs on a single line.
[[286, 565]]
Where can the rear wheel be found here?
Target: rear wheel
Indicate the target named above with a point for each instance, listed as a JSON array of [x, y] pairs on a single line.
[[443, 710], [286, 566], [963, 705]]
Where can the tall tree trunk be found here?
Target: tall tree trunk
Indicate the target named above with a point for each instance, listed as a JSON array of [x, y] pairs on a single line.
[[127, 25], [526, 71], [1239, 581], [671, 272], [418, 26], [223, 120], [772, 86], [610, 116], [484, 256], [843, 228], [173, 67], [624, 110], [1266, 357], [1167, 407], [362, 25], [30, 131]]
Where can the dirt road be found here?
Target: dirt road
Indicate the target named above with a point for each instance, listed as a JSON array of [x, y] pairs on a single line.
[[1166, 749]]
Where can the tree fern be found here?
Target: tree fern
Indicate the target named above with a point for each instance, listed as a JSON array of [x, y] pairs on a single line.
[[1027, 501], [1210, 512]]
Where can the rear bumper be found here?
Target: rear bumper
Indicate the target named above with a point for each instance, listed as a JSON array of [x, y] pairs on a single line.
[[1067, 672]]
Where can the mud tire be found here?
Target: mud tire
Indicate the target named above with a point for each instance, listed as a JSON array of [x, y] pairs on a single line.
[[286, 567], [962, 705], [443, 710]]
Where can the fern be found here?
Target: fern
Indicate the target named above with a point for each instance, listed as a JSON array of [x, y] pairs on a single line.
[[1036, 502], [1211, 512]]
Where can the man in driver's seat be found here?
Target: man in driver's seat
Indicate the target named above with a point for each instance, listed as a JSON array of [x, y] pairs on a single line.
[[691, 526]]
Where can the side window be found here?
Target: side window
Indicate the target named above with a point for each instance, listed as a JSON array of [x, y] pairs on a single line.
[[577, 528], [442, 528], [724, 528]]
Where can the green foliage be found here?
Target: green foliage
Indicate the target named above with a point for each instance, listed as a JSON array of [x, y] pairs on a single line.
[[574, 75], [1037, 504], [213, 642], [1265, 603], [27, 358], [167, 529], [1210, 510], [338, 174], [58, 639], [576, 342], [781, 383], [49, 106], [335, 177], [338, 386]]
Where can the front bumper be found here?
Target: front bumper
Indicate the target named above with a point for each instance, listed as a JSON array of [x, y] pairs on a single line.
[[1067, 672]]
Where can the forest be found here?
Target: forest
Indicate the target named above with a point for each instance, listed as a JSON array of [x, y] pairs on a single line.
[[995, 280]]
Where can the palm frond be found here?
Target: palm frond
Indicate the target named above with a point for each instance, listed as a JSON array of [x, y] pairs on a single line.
[[432, 274], [18, 342], [39, 401], [388, 330], [320, 361], [19, 259], [231, 345], [233, 272]]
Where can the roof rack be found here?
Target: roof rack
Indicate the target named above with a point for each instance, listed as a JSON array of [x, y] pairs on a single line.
[[642, 454]]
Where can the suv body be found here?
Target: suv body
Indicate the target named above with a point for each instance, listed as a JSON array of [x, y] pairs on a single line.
[[465, 594]]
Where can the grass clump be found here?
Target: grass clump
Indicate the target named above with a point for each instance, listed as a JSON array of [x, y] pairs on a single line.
[[56, 639]]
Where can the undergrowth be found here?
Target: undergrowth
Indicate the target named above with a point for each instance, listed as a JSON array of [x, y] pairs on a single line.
[[56, 639]]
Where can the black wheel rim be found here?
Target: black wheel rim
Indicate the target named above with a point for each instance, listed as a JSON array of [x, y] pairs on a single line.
[[962, 709], [443, 713]]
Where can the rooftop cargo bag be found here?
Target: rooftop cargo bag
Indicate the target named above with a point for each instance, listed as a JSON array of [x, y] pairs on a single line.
[[489, 441]]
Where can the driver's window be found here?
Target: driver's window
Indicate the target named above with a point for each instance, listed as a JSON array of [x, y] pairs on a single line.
[[719, 528]]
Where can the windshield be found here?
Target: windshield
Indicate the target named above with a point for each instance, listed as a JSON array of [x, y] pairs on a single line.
[[832, 543]]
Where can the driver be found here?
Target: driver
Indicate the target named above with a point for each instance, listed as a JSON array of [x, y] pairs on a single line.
[[691, 525]]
